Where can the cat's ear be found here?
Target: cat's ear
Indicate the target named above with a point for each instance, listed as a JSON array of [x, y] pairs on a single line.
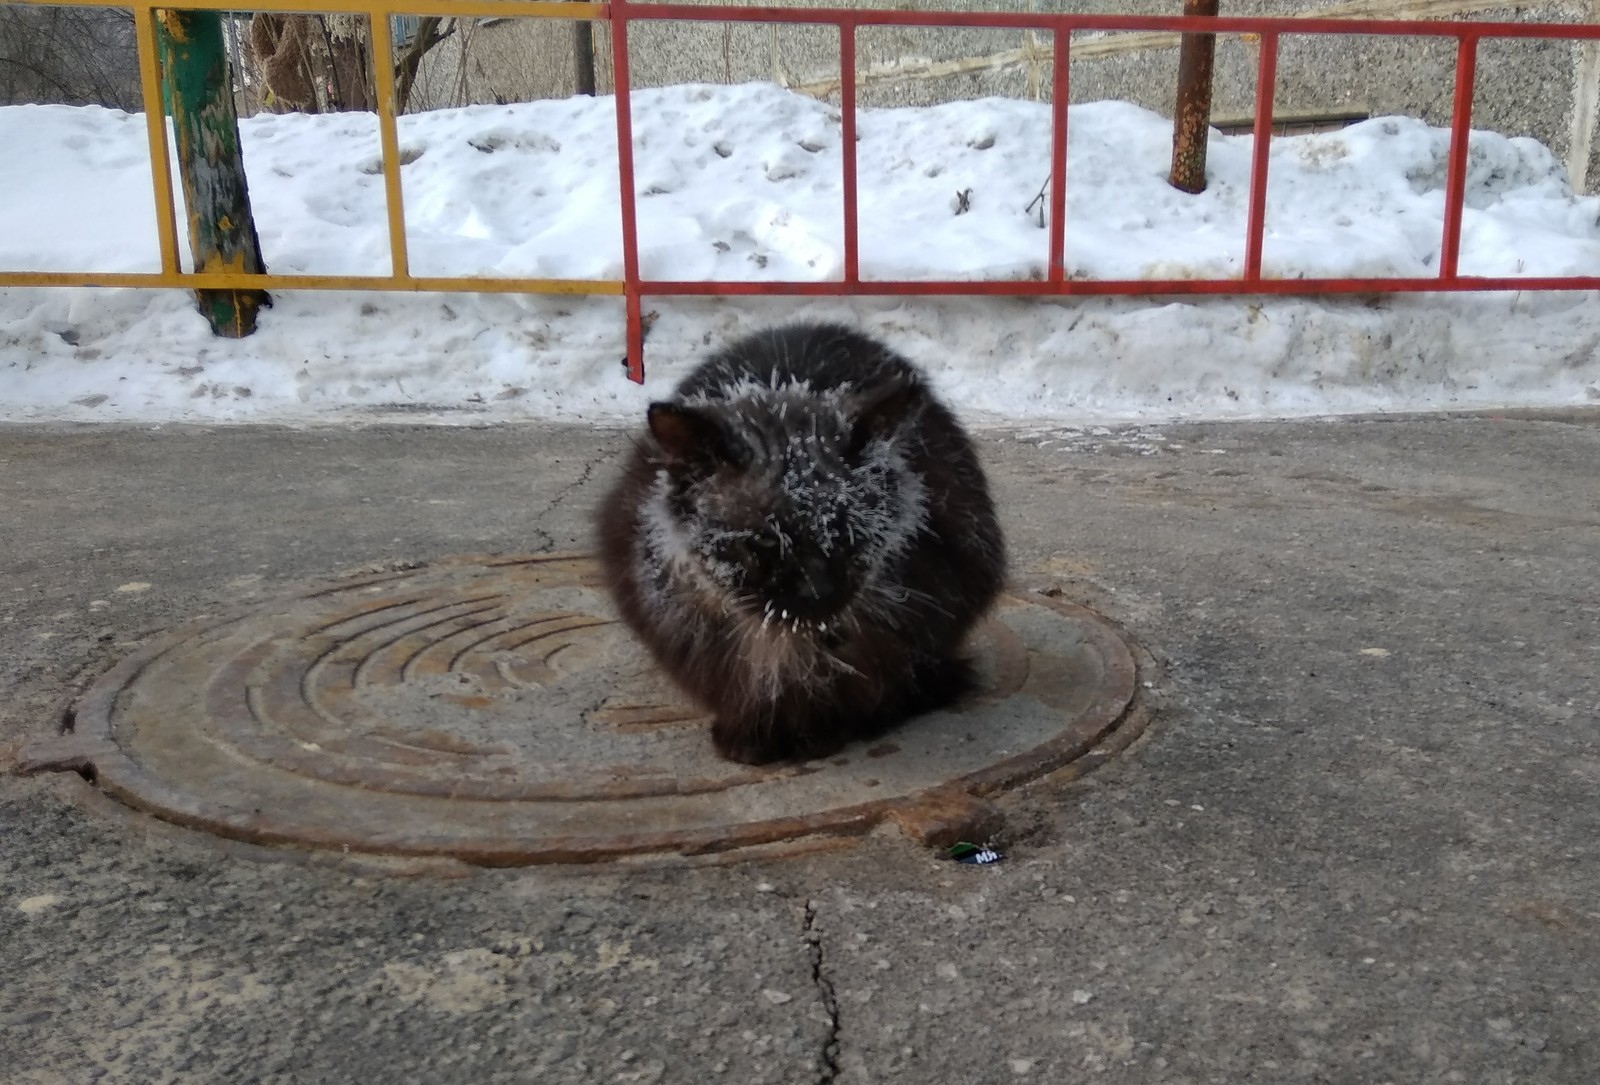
[[686, 435], [878, 411]]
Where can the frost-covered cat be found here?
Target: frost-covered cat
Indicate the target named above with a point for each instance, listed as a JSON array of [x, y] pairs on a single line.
[[802, 539]]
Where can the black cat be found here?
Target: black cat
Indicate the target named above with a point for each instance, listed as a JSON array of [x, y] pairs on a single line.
[[802, 540]]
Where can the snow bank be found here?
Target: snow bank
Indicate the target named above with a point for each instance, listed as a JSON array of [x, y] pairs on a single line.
[[742, 183]]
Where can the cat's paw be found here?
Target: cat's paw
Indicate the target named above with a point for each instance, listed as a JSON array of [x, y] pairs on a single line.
[[736, 740], [938, 683], [762, 743]]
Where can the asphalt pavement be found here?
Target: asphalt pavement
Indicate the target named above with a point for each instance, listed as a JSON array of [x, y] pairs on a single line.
[[1359, 840]]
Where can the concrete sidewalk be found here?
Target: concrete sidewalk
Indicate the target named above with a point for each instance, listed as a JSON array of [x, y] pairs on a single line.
[[1360, 842]]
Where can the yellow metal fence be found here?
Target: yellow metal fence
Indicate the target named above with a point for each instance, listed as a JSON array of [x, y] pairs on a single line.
[[145, 14]]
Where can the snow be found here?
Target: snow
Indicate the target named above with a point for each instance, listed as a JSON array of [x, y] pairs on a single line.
[[742, 183]]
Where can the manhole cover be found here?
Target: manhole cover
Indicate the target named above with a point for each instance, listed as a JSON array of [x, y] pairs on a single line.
[[494, 710]]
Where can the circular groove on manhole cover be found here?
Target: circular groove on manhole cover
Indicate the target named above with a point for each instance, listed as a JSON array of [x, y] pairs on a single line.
[[494, 710]]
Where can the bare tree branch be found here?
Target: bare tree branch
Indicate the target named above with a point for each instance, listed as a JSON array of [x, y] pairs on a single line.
[[68, 55], [427, 36]]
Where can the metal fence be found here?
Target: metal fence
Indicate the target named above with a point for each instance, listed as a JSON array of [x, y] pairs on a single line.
[[1264, 31]]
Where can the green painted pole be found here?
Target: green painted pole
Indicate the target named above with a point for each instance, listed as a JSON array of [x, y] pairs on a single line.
[[222, 233]]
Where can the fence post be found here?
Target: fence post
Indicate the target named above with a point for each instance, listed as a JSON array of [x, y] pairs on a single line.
[[222, 233], [583, 57], [1191, 118]]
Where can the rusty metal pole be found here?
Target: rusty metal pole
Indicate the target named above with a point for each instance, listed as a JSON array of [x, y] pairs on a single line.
[[1191, 118]]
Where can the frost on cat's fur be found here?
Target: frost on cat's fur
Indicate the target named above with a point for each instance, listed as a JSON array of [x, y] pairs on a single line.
[[802, 538]]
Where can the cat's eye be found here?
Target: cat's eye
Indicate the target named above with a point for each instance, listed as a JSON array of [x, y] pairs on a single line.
[[764, 542]]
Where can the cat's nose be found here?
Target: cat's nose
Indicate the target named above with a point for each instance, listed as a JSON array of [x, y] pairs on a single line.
[[817, 583]]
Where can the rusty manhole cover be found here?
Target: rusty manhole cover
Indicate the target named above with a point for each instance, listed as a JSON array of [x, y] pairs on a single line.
[[495, 711]]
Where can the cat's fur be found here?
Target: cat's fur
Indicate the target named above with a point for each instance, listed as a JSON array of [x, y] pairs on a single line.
[[802, 539]]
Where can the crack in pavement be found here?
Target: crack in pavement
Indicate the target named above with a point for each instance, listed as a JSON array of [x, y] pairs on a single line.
[[584, 478], [829, 1070], [542, 540]]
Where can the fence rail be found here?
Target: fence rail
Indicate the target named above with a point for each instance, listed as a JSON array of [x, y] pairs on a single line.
[[1265, 31]]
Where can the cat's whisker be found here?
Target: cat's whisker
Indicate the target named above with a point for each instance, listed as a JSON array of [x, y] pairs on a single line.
[[904, 595]]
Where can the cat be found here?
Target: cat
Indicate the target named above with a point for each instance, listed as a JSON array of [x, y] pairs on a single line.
[[802, 539]]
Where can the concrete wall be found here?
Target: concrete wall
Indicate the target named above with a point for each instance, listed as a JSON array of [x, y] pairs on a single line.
[[1547, 90]]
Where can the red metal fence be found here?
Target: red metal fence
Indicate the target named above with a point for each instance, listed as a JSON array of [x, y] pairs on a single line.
[[1056, 282]]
